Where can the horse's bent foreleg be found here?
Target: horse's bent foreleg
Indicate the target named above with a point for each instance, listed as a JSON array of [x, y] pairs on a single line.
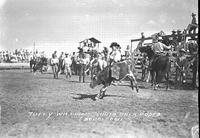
[[102, 92], [133, 79]]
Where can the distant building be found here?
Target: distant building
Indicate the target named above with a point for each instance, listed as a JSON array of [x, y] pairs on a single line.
[[90, 43]]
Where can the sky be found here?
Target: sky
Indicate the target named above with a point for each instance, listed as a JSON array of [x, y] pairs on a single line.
[[62, 24]]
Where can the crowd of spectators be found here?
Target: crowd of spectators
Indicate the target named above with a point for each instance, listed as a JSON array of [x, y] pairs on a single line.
[[16, 56]]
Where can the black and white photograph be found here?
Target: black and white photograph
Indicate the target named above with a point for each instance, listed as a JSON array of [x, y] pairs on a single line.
[[99, 69]]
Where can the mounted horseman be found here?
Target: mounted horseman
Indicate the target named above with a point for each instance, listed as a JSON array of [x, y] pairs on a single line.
[[115, 71], [159, 64], [115, 56]]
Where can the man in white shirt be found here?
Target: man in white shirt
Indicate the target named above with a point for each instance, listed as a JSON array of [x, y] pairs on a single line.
[[158, 49], [67, 62], [55, 66]]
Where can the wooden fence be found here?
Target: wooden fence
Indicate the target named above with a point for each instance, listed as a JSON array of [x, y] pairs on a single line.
[[7, 66], [137, 58]]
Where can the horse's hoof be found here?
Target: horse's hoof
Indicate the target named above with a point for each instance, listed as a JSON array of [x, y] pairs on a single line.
[[101, 96], [97, 97]]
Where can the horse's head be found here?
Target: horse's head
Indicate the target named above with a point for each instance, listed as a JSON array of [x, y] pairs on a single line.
[[148, 50], [100, 78]]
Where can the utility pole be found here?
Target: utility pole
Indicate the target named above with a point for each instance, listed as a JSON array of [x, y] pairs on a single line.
[[131, 46], [34, 47]]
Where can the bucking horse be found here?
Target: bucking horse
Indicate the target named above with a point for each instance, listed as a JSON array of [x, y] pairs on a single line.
[[113, 72]]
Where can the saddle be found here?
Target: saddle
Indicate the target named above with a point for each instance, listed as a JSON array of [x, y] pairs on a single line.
[[115, 70]]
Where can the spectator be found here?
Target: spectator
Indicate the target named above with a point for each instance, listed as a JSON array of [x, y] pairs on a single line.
[[67, 62], [127, 52], [61, 59], [105, 52], [192, 27]]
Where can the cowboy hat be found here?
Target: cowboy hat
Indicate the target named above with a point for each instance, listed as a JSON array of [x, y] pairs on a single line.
[[173, 31], [114, 44]]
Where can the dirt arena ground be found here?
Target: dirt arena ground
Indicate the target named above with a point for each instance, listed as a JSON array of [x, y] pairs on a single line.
[[37, 106]]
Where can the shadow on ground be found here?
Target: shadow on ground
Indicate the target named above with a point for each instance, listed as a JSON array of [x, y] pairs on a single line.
[[80, 96]]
